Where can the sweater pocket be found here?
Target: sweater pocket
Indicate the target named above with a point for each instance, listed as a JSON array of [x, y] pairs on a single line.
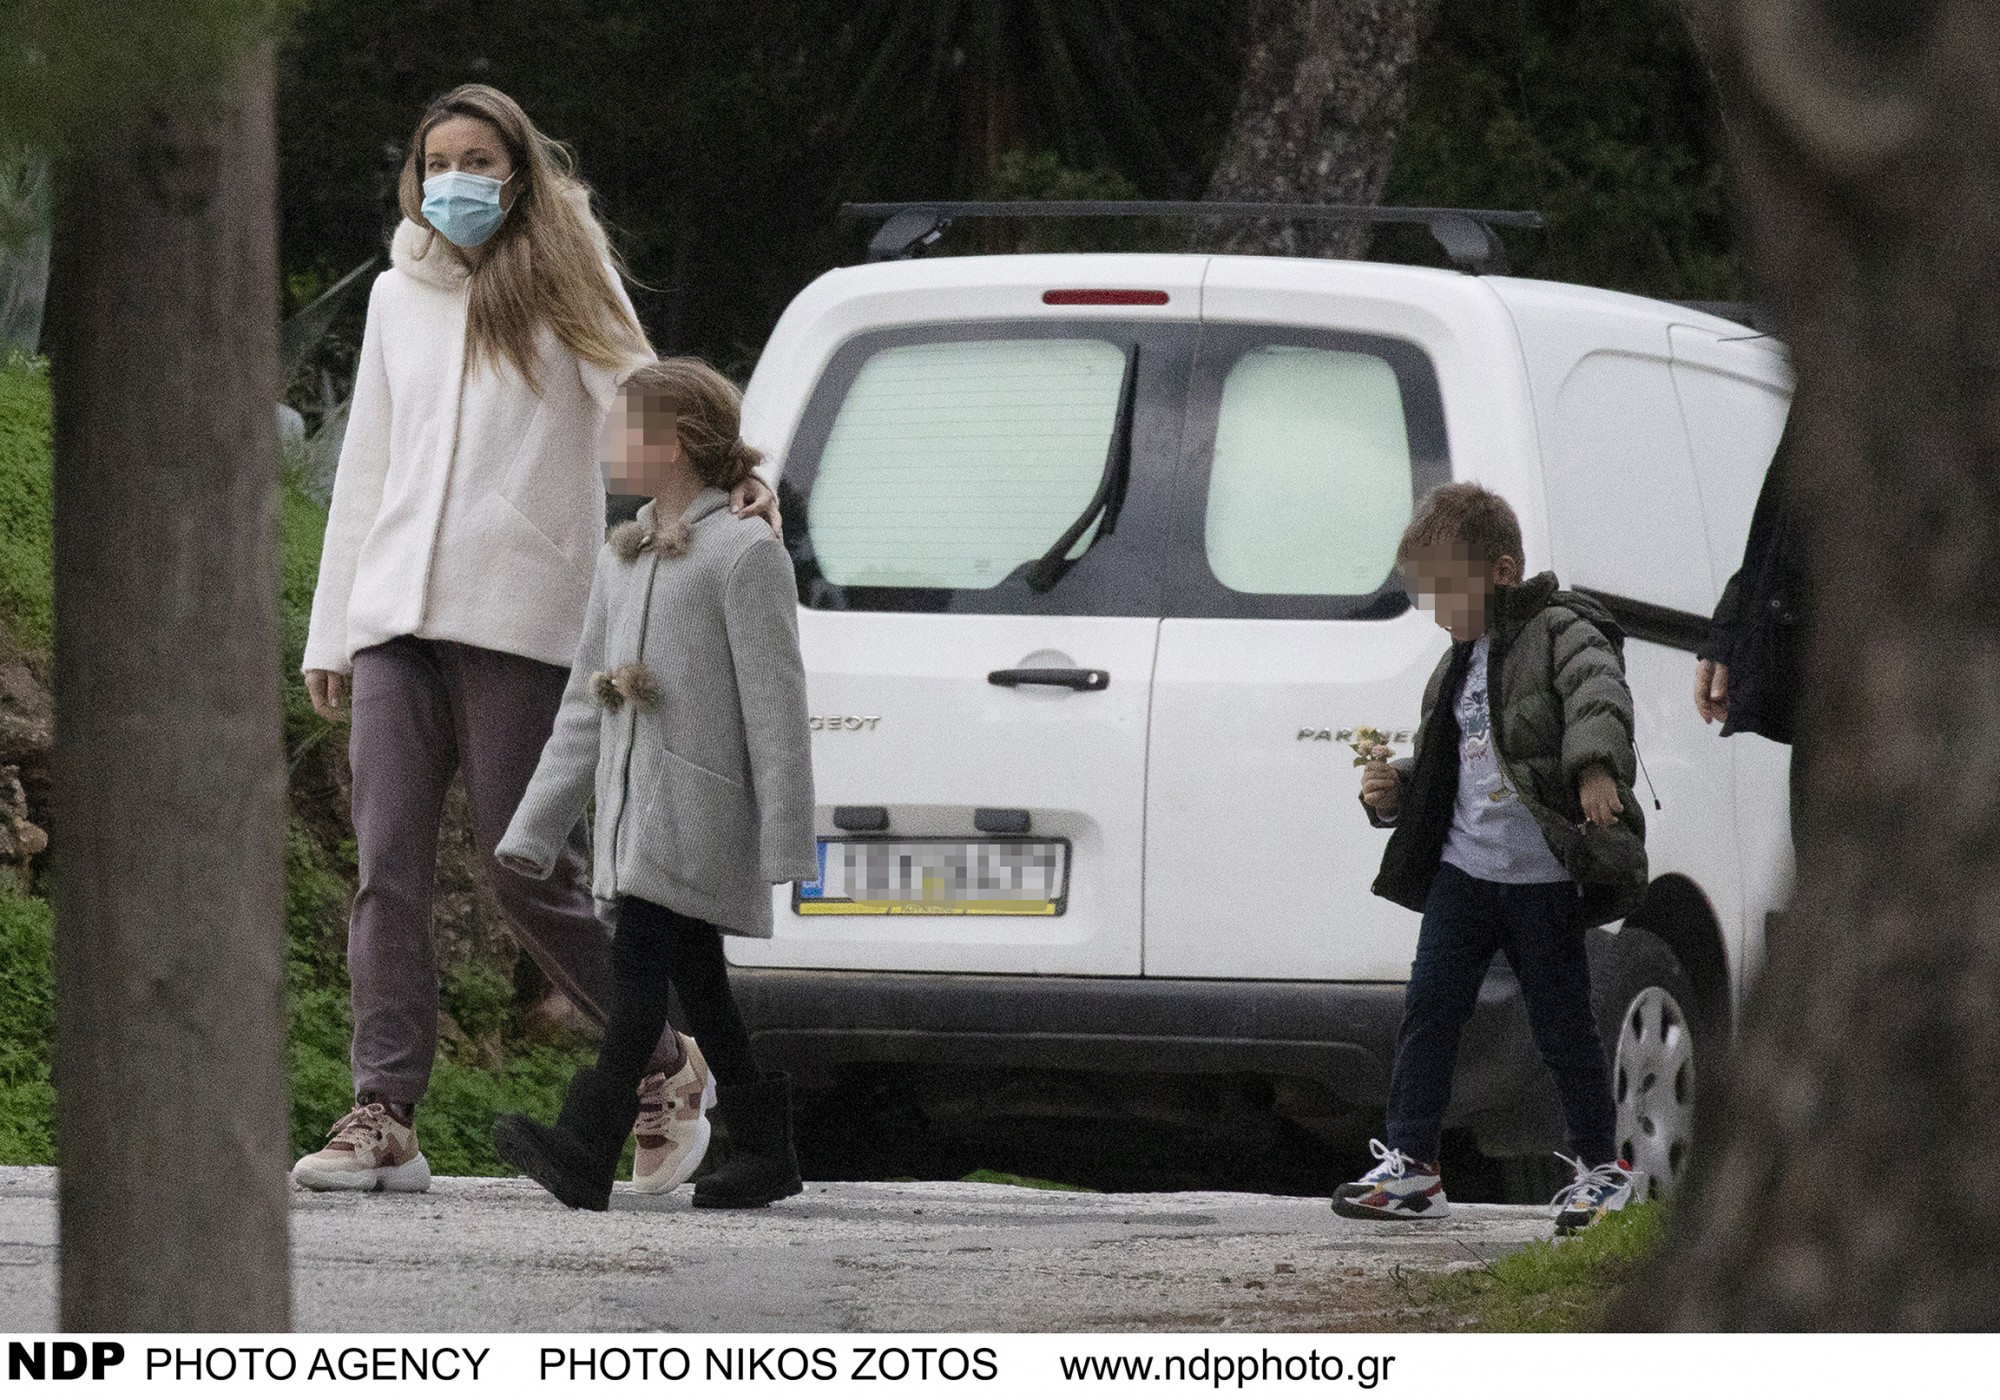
[[701, 827]]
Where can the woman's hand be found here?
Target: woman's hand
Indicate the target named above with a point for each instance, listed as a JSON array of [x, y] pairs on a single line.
[[755, 497], [1380, 787], [1597, 794], [328, 692], [1711, 691]]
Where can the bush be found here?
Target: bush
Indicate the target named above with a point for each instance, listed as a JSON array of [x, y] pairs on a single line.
[[27, 1028]]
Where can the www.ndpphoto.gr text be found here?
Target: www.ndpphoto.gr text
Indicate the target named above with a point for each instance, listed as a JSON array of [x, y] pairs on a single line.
[[1221, 1369]]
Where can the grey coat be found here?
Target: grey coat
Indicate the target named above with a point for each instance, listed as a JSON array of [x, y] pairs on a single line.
[[685, 714]]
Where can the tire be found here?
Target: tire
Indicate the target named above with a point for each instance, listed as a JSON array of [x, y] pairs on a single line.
[[1658, 1043]]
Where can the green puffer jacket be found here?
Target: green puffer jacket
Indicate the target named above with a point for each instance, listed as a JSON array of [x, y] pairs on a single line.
[[1555, 676]]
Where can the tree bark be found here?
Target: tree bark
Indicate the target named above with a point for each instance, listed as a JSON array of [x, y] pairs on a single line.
[[1850, 1177], [1325, 87], [169, 788]]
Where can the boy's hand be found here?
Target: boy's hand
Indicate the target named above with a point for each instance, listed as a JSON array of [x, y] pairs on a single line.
[[1711, 691], [1597, 794], [1380, 787]]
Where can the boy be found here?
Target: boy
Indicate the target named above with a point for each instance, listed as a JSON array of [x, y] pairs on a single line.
[[1515, 830]]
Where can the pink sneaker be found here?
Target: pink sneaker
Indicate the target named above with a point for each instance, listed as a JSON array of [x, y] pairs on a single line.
[[672, 1127], [368, 1150]]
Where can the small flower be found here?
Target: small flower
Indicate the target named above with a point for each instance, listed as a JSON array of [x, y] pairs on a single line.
[[1366, 739]]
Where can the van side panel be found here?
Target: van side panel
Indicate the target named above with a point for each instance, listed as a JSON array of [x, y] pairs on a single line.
[[1625, 520]]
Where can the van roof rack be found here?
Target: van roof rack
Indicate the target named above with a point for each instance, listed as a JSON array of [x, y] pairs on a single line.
[[1466, 235]]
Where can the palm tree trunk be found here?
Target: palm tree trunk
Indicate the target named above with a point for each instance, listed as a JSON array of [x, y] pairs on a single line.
[[1325, 87], [1846, 1179], [169, 787]]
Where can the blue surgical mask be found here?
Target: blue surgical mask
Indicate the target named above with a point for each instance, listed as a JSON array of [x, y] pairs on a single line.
[[463, 207]]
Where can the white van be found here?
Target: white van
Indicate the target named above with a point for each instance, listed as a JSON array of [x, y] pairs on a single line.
[[1095, 559]]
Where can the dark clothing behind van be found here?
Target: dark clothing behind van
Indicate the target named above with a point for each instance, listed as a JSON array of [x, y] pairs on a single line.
[[1757, 629]]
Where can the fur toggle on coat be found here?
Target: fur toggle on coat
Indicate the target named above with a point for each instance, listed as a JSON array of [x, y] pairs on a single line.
[[632, 681], [632, 539]]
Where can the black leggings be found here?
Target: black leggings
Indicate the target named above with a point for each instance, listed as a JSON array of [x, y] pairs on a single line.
[[654, 951]]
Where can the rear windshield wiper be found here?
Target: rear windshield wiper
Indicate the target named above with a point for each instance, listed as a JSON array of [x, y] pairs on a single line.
[[1109, 498]]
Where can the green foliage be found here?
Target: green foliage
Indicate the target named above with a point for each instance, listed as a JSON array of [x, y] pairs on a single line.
[[71, 68], [1559, 1285], [27, 503], [27, 1027], [1033, 1183], [1598, 113]]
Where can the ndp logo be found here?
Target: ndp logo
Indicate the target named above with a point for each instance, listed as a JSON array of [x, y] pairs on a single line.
[[62, 1361]]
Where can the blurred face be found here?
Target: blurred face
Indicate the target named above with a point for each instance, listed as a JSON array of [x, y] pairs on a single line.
[[639, 448], [1456, 586]]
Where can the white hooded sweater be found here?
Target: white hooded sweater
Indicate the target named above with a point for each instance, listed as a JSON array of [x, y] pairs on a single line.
[[467, 506]]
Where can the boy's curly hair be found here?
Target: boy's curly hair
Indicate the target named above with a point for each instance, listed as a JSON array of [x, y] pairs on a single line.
[[1466, 512], [690, 397]]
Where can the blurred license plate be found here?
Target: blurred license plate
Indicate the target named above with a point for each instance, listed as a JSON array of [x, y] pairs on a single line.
[[937, 877]]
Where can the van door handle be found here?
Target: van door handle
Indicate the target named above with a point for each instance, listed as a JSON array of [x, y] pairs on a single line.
[[1070, 678]]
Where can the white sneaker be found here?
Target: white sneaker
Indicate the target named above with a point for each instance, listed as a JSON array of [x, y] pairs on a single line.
[[1596, 1192], [1397, 1187], [368, 1150], [672, 1127]]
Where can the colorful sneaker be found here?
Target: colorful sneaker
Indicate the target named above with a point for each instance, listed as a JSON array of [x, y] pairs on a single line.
[[672, 1127], [1396, 1188], [1596, 1192], [368, 1150]]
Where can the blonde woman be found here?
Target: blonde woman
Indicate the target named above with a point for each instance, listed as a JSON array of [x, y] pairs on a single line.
[[467, 514]]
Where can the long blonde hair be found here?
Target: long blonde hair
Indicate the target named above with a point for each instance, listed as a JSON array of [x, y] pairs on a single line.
[[546, 265]]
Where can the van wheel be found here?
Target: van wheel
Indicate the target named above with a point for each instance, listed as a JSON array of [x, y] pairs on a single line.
[[1649, 1018]]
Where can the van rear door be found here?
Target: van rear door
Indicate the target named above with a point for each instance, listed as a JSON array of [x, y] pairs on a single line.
[[1287, 629], [976, 511]]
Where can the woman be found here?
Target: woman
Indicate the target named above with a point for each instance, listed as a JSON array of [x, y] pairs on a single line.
[[467, 513]]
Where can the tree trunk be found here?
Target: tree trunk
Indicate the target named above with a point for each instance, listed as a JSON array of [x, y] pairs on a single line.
[[1325, 87], [1850, 1177], [169, 816]]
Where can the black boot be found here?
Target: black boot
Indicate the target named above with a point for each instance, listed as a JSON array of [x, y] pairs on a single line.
[[577, 1159], [762, 1166]]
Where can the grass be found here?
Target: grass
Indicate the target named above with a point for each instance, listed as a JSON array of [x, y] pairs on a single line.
[[1561, 1285], [458, 1114], [993, 1178]]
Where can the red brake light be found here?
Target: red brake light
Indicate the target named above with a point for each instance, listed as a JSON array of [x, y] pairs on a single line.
[[1102, 296]]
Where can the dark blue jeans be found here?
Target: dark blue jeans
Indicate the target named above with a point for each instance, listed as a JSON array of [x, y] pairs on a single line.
[[1467, 921]]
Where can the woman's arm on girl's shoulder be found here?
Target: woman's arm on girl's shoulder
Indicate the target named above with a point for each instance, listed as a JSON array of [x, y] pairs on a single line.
[[357, 497], [760, 605], [563, 780], [601, 381]]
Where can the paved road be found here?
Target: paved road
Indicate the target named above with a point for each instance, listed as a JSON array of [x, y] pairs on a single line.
[[479, 1254]]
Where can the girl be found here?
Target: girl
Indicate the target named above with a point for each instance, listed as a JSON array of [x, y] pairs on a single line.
[[685, 717], [466, 509]]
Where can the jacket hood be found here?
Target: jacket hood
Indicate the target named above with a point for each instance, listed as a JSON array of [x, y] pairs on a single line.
[[1515, 606], [420, 251]]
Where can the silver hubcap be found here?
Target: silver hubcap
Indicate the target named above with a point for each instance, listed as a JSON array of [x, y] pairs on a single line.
[[1653, 1078]]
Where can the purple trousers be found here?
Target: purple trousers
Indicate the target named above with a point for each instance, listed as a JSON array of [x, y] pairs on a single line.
[[422, 711]]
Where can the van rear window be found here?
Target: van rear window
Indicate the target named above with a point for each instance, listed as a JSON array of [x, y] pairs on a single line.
[[950, 465], [1001, 467], [1322, 432]]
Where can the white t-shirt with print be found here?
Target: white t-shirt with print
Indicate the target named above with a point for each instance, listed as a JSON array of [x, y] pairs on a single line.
[[1493, 836]]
